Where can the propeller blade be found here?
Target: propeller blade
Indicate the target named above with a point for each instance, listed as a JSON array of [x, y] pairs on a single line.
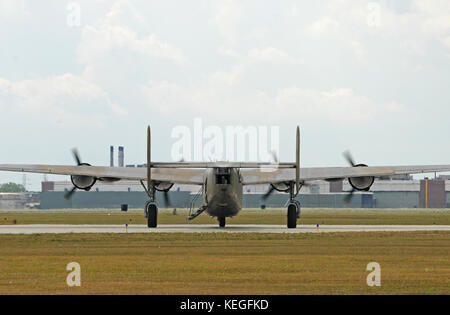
[[69, 194], [166, 199], [348, 156], [349, 197], [268, 193], [76, 156]]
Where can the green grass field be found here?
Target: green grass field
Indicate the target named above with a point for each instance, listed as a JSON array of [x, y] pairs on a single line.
[[220, 263], [394, 218]]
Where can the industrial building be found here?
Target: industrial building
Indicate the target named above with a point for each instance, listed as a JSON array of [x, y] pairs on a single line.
[[396, 193], [19, 200]]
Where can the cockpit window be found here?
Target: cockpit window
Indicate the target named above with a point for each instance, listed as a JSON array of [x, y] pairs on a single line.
[[223, 176], [223, 179]]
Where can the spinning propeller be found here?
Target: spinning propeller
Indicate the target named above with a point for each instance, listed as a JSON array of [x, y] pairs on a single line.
[[271, 188], [350, 160], [76, 157], [166, 198], [268, 193], [69, 194]]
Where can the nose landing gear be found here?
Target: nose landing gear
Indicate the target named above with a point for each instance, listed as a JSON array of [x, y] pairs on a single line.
[[222, 222], [151, 209]]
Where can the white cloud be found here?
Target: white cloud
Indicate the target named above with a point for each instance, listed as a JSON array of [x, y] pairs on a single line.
[[111, 34], [12, 9], [324, 26], [411, 30], [434, 18], [66, 98], [341, 104], [213, 100], [358, 50], [273, 55], [293, 12], [228, 52], [227, 17], [103, 39], [256, 57], [168, 98], [447, 42]]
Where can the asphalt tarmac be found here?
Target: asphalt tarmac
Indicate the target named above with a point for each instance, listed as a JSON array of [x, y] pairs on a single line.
[[198, 228]]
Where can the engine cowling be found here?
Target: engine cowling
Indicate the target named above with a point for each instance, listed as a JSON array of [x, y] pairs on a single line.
[[281, 187], [361, 183], [83, 182], [163, 186]]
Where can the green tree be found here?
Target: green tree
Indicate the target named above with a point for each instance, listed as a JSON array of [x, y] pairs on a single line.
[[12, 188]]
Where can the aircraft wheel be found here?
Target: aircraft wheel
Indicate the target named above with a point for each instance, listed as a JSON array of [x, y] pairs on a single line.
[[299, 207], [222, 222], [151, 211], [292, 216]]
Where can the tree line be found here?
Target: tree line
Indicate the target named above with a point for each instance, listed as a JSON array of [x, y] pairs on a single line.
[[12, 188]]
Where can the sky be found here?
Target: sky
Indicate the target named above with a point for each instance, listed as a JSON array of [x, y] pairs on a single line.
[[367, 76]]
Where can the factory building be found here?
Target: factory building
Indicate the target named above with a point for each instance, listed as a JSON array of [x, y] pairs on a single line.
[[409, 193], [19, 200]]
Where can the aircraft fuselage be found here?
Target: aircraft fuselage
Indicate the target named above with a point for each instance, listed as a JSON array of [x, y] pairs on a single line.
[[222, 192]]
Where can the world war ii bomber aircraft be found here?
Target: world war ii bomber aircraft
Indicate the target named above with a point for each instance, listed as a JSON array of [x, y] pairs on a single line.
[[222, 182]]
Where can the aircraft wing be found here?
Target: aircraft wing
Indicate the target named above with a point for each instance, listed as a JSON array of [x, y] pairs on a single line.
[[172, 175], [265, 176], [194, 176]]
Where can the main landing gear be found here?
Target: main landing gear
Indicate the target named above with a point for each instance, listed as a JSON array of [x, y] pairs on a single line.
[[151, 209], [293, 213], [293, 210], [151, 213]]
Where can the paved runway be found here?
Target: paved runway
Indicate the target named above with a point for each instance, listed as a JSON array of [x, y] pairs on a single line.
[[192, 228]]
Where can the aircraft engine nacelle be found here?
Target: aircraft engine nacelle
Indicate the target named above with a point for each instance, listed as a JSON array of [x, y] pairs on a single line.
[[163, 186], [361, 183], [83, 182], [281, 187]]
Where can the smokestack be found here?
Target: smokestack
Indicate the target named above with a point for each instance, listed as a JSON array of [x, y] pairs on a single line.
[[111, 156], [121, 164]]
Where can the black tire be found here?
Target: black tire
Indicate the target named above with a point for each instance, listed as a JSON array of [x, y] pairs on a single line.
[[152, 215], [222, 222], [292, 216]]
